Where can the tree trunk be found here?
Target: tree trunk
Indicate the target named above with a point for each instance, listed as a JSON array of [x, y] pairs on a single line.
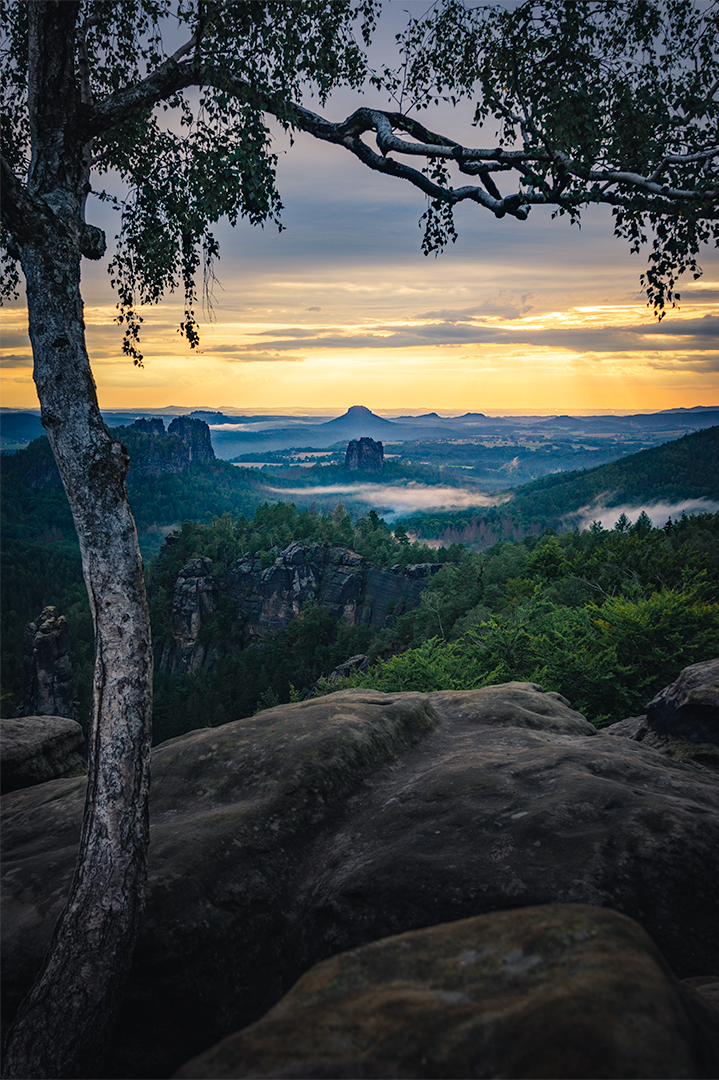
[[60, 1026]]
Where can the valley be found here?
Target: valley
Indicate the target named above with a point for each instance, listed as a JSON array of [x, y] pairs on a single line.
[[263, 580]]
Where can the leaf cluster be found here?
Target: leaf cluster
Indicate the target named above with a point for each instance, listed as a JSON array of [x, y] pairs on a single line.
[[597, 102]]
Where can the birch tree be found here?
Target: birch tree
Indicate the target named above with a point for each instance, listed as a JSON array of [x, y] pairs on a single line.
[[575, 104]]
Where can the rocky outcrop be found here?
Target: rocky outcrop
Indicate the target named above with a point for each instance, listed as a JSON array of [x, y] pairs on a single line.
[[690, 706], [152, 425], [317, 827], [682, 721], [153, 450], [340, 579], [34, 749], [269, 598], [194, 435], [356, 665], [193, 603], [47, 670], [364, 455], [156, 452], [562, 990]]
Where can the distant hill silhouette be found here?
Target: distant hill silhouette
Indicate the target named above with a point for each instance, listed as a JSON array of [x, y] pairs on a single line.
[[357, 423]]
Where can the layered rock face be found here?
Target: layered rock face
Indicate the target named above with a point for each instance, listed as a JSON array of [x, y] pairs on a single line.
[[47, 670], [270, 598], [562, 990], [153, 451], [364, 455], [194, 601], [338, 578], [317, 827], [34, 749]]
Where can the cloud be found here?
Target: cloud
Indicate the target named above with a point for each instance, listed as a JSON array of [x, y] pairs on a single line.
[[505, 304], [238, 354], [707, 326], [697, 335], [658, 512], [14, 360], [393, 500]]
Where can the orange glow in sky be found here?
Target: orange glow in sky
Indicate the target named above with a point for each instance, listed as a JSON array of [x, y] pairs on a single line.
[[342, 308]]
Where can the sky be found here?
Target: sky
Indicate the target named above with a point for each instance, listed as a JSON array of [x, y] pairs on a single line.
[[342, 308]]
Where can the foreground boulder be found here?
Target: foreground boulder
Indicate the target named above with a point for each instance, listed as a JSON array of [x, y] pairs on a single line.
[[316, 827], [34, 749], [562, 990], [682, 721]]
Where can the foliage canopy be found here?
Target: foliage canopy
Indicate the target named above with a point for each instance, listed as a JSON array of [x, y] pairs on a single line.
[[582, 103]]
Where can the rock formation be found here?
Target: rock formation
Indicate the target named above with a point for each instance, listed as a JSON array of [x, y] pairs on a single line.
[[364, 455], [156, 452], [338, 578], [149, 426], [316, 827], [561, 990], [194, 601], [34, 749], [195, 438], [47, 671], [356, 665], [682, 721], [270, 598], [153, 451]]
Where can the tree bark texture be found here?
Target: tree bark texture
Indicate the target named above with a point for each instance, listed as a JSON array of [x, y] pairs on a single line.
[[59, 1029]]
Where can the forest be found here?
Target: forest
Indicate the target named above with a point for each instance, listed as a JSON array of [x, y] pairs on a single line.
[[604, 617], [677, 470]]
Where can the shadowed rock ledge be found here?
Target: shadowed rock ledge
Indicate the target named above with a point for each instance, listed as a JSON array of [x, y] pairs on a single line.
[[317, 827]]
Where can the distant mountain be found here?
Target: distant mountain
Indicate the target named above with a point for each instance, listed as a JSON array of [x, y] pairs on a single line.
[[234, 433], [357, 423], [17, 429]]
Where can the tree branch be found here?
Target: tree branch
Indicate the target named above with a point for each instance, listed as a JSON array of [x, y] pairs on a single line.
[[27, 217], [173, 76], [131, 100], [23, 215]]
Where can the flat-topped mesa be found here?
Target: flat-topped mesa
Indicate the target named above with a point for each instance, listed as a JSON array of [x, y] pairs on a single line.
[[364, 455]]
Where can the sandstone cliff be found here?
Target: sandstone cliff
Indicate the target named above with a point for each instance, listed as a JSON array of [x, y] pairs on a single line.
[[155, 452], [269, 598]]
